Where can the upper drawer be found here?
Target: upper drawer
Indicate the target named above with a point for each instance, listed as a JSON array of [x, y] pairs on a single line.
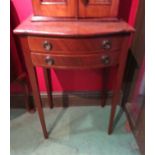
[[78, 45]]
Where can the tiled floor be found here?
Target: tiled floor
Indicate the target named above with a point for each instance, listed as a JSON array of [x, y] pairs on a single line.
[[73, 131]]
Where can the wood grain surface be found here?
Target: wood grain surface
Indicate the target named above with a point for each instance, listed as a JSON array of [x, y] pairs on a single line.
[[72, 29]]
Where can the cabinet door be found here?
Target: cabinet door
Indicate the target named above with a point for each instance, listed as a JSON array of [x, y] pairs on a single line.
[[98, 8], [55, 8]]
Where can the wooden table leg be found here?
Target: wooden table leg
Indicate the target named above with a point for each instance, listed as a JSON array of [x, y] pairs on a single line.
[[118, 83], [113, 110], [105, 91], [47, 77], [34, 83], [27, 99]]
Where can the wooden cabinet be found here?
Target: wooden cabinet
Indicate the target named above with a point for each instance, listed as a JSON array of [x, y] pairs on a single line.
[[77, 43], [76, 8]]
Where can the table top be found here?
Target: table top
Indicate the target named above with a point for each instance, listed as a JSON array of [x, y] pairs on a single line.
[[72, 28]]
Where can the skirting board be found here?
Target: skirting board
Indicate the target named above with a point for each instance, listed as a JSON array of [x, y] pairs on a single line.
[[81, 98]]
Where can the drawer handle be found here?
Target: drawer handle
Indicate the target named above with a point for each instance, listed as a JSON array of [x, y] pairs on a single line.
[[49, 60], [47, 46], [105, 60], [106, 44]]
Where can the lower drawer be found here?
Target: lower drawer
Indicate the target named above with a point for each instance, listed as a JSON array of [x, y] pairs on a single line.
[[76, 61]]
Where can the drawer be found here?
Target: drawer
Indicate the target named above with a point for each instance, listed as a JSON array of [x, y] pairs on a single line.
[[79, 61], [75, 45]]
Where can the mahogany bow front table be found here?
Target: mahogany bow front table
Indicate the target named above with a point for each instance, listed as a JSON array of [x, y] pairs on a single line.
[[74, 45]]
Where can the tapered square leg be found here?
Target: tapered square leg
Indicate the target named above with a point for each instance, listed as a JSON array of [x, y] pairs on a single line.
[[113, 111], [105, 91], [118, 83], [34, 83], [47, 77]]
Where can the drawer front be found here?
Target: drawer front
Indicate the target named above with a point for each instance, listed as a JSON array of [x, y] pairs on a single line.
[[70, 61], [76, 45]]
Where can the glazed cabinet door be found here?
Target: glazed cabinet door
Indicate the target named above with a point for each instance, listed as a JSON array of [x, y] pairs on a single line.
[[55, 8], [98, 8]]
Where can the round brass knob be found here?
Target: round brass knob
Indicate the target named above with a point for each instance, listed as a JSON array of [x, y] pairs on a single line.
[[49, 60], [47, 46], [105, 60], [106, 44]]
